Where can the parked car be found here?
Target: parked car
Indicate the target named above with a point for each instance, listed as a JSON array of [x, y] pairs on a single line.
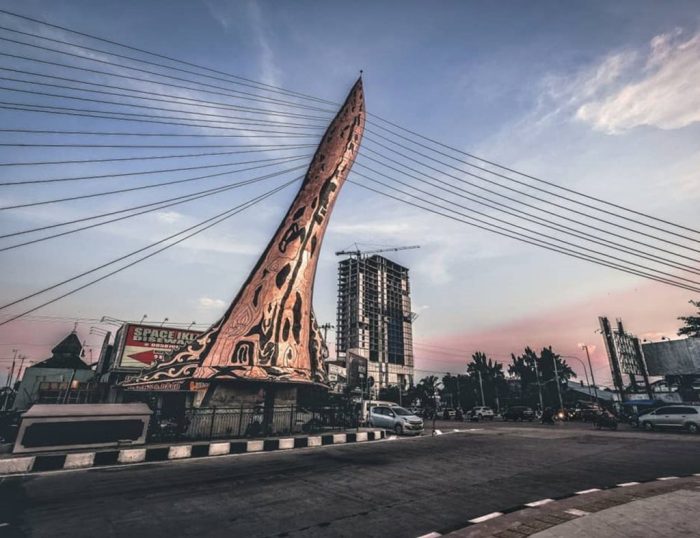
[[481, 413], [586, 413], [519, 412], [398, 419], [672, 416], [449, 414]]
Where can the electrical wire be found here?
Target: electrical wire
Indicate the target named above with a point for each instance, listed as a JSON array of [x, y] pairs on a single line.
[[213, 221], [148, 118], [549, 202], [240, 120], [179, 98], [167, 203], [142, 187], [143, 172], [233, 93], [513, 225], [539, 222], [534, 242], [263, 148], [534, 178], [237, 77], [547, 214]]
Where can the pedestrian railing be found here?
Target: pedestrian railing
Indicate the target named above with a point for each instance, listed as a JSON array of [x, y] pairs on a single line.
[[206, 423]]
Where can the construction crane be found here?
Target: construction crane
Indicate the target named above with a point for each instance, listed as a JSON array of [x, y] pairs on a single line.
[[359, 252]]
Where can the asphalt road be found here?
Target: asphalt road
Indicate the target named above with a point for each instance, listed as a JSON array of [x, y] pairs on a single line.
[[402, 488]]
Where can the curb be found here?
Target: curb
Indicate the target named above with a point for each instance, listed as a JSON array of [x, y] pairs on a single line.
[[126, 456], [573, 513]]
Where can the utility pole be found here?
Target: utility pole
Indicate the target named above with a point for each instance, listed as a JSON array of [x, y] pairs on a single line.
[[325, 328], [556, 379], [481, 387], [588, 356], [539, 384]]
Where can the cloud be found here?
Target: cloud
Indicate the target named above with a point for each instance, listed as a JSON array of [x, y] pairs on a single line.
[[662, 92], [209, 303]]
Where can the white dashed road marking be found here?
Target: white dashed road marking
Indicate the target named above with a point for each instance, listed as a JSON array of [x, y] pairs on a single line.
[[535, 504], [481, 519], [585, 491], [627, 484], [667, 478], [431, 535]]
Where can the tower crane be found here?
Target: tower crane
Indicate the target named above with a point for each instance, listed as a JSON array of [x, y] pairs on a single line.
[[359, 252]]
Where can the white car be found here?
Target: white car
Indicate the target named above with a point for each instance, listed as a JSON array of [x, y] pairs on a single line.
[[481, 413], [673, 416], [400, 420]]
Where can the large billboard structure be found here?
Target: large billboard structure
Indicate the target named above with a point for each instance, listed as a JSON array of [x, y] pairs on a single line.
[[673, 357], [138, 346], [269, 332]]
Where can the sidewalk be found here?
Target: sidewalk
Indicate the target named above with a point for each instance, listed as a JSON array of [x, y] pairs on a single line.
[[666, 507], [13, 464]]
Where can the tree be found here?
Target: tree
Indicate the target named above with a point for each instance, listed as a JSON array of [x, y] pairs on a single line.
[[692, 323], [492, 377], [426, 389]]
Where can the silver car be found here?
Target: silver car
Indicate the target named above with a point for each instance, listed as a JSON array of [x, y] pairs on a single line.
[[673, 416], [398, 419]]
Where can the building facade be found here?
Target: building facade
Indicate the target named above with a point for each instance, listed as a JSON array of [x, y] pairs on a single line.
[[374, 316]]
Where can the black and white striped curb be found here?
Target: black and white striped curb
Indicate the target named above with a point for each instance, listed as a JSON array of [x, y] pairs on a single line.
[[125, 456], [543, 502]]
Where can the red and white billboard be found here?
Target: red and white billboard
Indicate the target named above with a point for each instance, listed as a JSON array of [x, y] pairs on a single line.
[[142, 344]]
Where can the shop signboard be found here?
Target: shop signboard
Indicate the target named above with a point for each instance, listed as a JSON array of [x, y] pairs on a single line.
[[140, 345]]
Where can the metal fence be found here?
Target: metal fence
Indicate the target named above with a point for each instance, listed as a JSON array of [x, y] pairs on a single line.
[[206, 423]]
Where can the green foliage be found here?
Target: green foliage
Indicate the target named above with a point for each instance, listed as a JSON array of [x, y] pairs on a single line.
[[692, 323]]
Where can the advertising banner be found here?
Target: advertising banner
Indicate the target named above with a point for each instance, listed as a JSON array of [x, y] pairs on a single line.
[[142, 344]]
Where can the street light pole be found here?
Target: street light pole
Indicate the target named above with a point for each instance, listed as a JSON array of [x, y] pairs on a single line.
[[481, 387], [556, 377], [585, 372], [588, 356], [539, 384]]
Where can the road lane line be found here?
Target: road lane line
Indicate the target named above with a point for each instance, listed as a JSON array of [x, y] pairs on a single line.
[[627, 484], [586, 491], [431, 535], [576, 512], [481, 519], [542, 502], [668, 478]]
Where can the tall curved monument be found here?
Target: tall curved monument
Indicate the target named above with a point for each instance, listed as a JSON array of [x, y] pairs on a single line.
[[269, 333]]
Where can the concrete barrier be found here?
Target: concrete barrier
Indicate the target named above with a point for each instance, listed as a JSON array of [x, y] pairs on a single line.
[[219, 449], [313, 441], [255, 446], [361, 436], [286, 444], [179, 452], [339, 438], [132, 455], [16, 465], [78, 461]]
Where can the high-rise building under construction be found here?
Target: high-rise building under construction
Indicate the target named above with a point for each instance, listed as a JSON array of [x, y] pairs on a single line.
[[375, 319]]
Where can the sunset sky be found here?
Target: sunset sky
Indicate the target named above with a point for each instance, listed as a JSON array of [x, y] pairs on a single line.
[[600, 97]]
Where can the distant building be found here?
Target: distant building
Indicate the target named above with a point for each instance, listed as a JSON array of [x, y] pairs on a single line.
[[62, 378], [374, 316]]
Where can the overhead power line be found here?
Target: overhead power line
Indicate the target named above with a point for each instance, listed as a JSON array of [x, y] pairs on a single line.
[[414, 133], [262, 148], [141, 187], [240, 120], [536, 220], [535, 242], [534, 178], [164, 57], [150, 118], [155, 206], [528, 195], [176, 99], [509, 226], [146, 172], [232, 93], [213, 221], [546, 214]]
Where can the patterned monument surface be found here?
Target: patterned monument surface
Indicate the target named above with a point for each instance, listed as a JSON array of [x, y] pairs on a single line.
[[269, 333]]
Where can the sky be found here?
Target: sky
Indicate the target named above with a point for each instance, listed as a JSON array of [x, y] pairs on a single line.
[[595, 96]]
